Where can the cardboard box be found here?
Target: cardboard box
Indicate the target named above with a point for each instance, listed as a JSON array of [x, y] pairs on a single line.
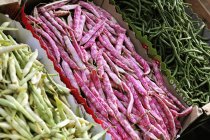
[[25, 36], [138, 46]]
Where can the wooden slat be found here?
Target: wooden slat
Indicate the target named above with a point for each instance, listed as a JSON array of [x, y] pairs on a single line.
[[202, 8], [5, 2], [10, 7]]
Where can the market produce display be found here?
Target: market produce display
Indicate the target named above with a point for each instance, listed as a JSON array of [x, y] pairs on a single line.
[[176, 37], [126, 92], [32, 105]]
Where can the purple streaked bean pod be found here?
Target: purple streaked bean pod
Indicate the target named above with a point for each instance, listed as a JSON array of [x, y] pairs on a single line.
[[142, 62], [97, 83], [55, 5], [137, 84], [101, 100], [123, 121], [131, 99], [139, 122], [100, 62], [94, 51], [65, 57], [70, 21], [111, 64], [90, 8], [71, 50], [120, 129], [168, 115], [160, 83], [52, 20], [111, 74], [119, 42], [91, 32], [62, 23], [162, 134], [90, 16], [107, 125], [117, 27], [107, 44], [110, 36], [92, 40], [81, 27], [185, 112], [69, 7], [129, 44], [53, 29], [139, 73], [118, 62], [52, 43], [69, 74], [77, 47], [77, 14], [61, 13], [44, 27], [110, 29], [93, 99], [107, 88]]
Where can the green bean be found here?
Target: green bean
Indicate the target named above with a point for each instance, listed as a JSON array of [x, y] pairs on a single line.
[[6, 91], [14, 124], [28, 77], [192, 50], [188, 68], [69, 112], [170, 60], [175, 71], [5, 125], [3, 35], [39, 120], [12, 71], [42, 111], [139, 10], [35, 128], [201, 72], [12, 136], [22, 124], [4, 49], [19, 107], [97, 136], [30, 63], [6, 103]]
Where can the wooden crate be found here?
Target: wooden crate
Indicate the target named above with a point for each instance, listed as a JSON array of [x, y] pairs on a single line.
[[10, 7], [202, 8]]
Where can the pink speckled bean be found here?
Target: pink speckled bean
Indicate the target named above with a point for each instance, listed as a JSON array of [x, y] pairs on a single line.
[[91, 32], [52, 20], [93, 99], [110, 36], [69, 74], [81, 27], [77, 15], [119, 42], [90, 8]]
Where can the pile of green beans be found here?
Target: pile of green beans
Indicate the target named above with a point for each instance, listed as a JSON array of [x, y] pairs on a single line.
[[32, 105], [176, 36]]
